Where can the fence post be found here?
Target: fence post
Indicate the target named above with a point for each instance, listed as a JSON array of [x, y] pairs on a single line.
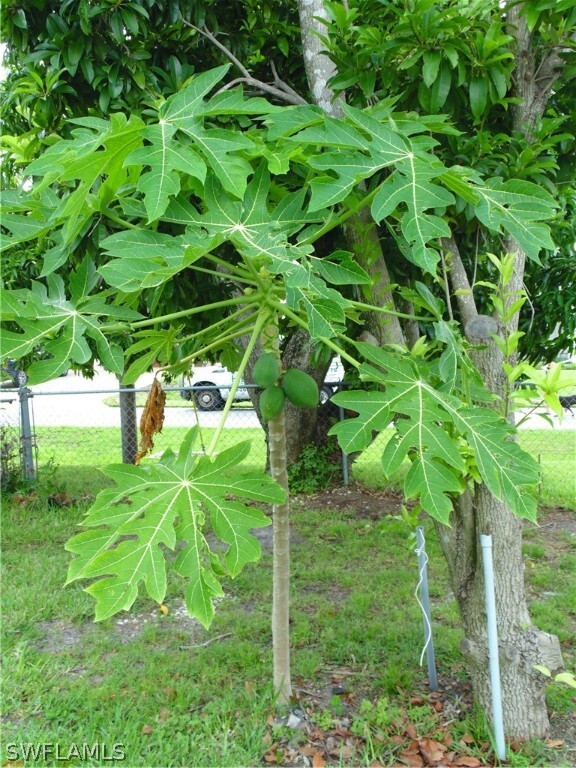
[[128, 424], [26, 437], [345, 473]]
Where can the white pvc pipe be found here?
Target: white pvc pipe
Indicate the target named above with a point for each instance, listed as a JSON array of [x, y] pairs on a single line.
[[486, 543], [425, 605]]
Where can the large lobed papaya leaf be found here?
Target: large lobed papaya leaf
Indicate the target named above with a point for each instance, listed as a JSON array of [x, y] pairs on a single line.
[[61, 325], [429, 425], [134, 527]]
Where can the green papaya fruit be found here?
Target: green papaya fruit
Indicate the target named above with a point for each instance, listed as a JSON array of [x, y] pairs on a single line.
[[266, 370], [300, 388], [271, 402]]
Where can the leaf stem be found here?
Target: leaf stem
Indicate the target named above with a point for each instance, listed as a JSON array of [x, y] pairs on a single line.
[[235, 277], [224, 321], [118, 220], [385, 311], [260, 322], [236, 268], [330, 225], [182, 313], [217, 342]]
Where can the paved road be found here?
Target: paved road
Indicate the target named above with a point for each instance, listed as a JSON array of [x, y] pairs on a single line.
[[90, 410]]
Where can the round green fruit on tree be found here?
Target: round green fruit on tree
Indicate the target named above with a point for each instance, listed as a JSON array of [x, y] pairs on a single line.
[[271, 402], [300, 388], [266, 370]]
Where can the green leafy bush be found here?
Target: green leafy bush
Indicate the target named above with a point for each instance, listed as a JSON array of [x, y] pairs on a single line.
[[315, 470]]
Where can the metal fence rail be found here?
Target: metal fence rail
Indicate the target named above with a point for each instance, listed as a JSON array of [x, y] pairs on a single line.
[[86, 428]]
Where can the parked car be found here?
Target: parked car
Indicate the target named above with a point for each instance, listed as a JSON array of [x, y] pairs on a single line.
[[211, 386], [11, 376]]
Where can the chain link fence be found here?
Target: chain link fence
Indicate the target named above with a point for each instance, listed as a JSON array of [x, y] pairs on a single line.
[[11, 469], [89, 429]]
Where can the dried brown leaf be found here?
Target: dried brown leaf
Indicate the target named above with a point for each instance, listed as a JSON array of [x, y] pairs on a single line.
[[431, 750], [468, 762], [147, 730], [413, 760], [414, 745], [152, 419], [272, 755], [411, 731], [317, 760]]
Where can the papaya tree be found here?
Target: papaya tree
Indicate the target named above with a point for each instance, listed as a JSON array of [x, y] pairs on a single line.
[[198, 182], [503, 73]]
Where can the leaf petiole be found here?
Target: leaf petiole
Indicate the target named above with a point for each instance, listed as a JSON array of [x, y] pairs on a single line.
[[260, 322], [177, 315]]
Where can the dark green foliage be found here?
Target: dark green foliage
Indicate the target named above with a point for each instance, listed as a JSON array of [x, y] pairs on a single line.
[[10, 474], [315, 470]]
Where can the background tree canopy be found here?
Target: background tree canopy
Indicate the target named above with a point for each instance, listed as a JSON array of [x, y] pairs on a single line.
[[454, 58], [428, 186]]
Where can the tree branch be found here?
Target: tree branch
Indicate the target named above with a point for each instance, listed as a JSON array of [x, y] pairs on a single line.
[[280, 89], [459, 280], [253, 83]]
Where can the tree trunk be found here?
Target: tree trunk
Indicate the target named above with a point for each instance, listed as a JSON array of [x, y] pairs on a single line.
[[360, 230], [281, 541], [302, 424], [521, 644]]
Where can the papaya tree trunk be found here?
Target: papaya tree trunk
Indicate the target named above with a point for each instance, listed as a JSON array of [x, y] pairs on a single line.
[[281, 541], [281, 562]]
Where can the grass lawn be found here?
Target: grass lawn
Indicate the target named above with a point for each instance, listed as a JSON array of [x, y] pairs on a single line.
[[174, 694], [69, 447], [555, 451]]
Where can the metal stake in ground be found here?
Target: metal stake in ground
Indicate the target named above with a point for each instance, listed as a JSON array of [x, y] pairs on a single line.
[[486, 543], [425, 606], [26, 438]]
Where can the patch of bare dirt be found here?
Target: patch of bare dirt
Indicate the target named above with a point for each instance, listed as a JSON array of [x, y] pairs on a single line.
[[58, 635], [366, 502], [558, 520], [266, 538]]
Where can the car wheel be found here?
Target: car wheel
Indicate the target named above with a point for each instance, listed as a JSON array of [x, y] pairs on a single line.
[[20, 378], [207, 399], [325, 395]]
